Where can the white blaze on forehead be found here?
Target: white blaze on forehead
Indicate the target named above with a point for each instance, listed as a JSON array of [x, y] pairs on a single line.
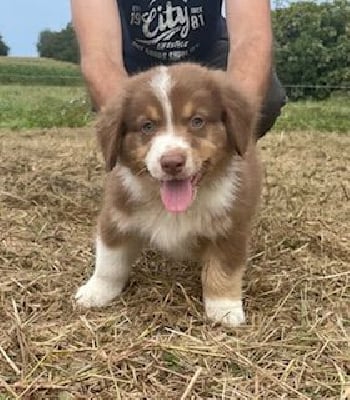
[[166, 141], [161, 84]]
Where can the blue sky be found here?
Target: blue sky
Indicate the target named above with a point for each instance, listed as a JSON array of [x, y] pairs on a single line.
[[22, 20]]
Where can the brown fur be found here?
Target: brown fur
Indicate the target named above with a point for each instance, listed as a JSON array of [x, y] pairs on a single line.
[[230, 122]]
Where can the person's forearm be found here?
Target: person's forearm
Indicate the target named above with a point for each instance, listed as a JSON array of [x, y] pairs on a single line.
[[103, 77], [250, 56], [250, 65], [98, 29]]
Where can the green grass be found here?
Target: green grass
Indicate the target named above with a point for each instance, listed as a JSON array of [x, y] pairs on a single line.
[[38, 71], [330, 115], [44, 93], [23, 107]]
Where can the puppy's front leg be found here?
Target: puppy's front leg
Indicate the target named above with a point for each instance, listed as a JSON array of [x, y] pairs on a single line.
[[111, 273], [222, 283]]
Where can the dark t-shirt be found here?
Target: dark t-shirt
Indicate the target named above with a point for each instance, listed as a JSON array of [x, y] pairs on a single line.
[[163, 32]]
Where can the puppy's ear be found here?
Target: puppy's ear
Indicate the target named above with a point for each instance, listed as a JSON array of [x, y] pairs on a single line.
[[239, 117], [110, 128]]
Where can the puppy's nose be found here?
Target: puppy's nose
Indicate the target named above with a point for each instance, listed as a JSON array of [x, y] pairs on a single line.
[[173, 163]]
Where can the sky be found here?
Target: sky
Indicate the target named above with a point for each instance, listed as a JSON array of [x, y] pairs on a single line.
[[21, 21]]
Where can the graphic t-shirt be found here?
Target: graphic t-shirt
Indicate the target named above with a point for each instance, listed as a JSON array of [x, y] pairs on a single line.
[[163, 32]]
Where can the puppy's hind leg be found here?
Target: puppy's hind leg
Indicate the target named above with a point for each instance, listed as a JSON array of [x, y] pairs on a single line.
[[113, 264]]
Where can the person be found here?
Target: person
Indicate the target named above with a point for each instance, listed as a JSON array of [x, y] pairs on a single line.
[[122, 37]]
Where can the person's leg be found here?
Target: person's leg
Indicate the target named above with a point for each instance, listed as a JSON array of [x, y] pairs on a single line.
[[275, 97]]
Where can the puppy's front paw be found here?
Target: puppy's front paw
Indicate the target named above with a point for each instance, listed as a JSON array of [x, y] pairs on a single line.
[[97, 293], [227, 312]]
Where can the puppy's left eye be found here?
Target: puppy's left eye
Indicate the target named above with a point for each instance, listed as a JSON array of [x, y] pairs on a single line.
[[197, 122], [148, 127]]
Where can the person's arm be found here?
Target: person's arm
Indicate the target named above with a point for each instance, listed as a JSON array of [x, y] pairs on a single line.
[[98, 29], [250, 56]]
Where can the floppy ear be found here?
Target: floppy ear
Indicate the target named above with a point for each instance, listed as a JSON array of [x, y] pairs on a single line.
[[239, 117], [110, 129]]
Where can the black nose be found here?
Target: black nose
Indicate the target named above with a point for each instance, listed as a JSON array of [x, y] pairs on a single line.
[[173, 163]]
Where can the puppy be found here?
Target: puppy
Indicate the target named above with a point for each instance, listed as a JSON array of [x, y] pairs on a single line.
[[183, 177]]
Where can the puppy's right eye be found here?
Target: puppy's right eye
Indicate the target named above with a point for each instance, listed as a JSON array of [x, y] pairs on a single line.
[[197, 122], [148, 127]]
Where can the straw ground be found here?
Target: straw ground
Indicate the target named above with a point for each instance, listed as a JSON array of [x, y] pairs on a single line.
[[153, 342]]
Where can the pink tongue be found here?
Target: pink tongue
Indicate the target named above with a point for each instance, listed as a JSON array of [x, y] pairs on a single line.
[[176, 194]]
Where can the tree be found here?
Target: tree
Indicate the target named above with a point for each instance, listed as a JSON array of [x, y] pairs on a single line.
[[4, 49], [60, 45], [313, 44]]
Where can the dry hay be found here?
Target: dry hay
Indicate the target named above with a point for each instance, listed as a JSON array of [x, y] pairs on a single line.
[[154, 343]]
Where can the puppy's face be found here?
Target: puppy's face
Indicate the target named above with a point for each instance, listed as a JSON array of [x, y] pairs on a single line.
[[174, 126]]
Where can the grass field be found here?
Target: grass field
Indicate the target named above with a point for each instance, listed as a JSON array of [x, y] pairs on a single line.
[[154, 343], [39, 92], [38, 71], [37, 106], [23, 107], [25, 102]]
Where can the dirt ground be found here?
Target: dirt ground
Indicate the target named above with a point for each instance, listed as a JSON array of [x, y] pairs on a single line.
[[154, 342]]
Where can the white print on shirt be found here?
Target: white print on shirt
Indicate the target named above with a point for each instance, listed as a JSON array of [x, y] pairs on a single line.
[[165, 29]]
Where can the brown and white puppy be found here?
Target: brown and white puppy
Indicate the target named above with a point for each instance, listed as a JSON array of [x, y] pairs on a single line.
[[183, 178]]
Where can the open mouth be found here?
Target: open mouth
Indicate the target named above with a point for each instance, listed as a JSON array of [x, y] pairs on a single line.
[[178, 194]]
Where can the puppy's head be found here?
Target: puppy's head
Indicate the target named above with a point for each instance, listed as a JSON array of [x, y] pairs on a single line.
[[174, 126]]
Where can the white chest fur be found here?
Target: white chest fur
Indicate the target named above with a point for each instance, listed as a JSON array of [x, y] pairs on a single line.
[[177, 233]]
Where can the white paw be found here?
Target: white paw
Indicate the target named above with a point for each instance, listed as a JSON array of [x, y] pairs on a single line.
[[97, 292], [227, 312]]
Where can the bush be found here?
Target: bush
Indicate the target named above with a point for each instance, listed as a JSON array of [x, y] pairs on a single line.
[[4, 49], [60, 45], [313, 46]]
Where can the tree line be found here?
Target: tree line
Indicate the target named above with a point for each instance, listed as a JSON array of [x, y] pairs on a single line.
[[4, 49], [312, 46]]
